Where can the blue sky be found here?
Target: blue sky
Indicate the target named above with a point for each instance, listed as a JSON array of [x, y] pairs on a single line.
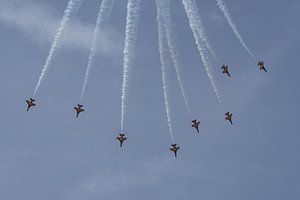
[[49, 154]]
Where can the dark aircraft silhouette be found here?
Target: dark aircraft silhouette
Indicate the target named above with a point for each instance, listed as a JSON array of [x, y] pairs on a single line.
[[228, 117], [174, 148], [78, 109], [195, 124], [121, 138], [30, 103], [225, 70], [262, 66]]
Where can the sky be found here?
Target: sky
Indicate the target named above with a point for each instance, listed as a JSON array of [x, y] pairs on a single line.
[[48, 154]]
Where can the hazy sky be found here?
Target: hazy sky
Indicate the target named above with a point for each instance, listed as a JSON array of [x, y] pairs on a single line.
[[48, 154]]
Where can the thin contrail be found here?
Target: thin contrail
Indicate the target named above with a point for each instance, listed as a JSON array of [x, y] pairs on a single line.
[[233, 27], [205, 39], [198, 31], [132, 18], [104, 15], [208, 46], [167, 23], [163, 43], [72, 7]]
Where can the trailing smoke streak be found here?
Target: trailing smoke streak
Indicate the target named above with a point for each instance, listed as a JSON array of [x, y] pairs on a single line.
[[102, 19], [205, 39], [132, 18], [233, 27], [207, 44], [200, 38], [163, 51], [72, 7], [210, 49], [167, 23]]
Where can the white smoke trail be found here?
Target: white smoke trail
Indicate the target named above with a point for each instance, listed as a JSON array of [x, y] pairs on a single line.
[[163, 60], [102, 20], [132, 18], [233, 27], [200, 30], [167, 23], [200, 38], [72, 7], [208, 46]]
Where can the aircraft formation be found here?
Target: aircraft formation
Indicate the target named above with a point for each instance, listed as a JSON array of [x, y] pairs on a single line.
[[167, 47], [195, 123]]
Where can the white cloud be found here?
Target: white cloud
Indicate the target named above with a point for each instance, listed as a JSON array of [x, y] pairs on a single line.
[[40, 21]]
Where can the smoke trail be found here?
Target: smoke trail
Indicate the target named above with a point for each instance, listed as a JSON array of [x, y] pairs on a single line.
[[208, 46], [72, 7], [227, 16], [163, 55], [167, 23], [196, 16], [102, 19], [200, 39], [132, 18]]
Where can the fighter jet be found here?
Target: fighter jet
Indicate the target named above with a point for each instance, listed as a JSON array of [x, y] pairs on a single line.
[[195, 124], [78, 109], [228, 117], [262, 66], [225, 70], [174, 148], [121, 138], [30, 103]]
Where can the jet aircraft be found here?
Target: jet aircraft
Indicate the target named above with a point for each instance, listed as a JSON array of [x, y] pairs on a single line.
[[195, 124], [30, 103], [228, 116], [262, 66], [225, 70], [175, 148], [121, 138], [78, 109]]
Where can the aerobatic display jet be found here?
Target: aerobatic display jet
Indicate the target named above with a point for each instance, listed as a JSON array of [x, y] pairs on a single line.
[[195, 124], [30, 103], [225, 70], [228, 117], [121, 138], [174, 148], [78, 109], [262, 66]]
